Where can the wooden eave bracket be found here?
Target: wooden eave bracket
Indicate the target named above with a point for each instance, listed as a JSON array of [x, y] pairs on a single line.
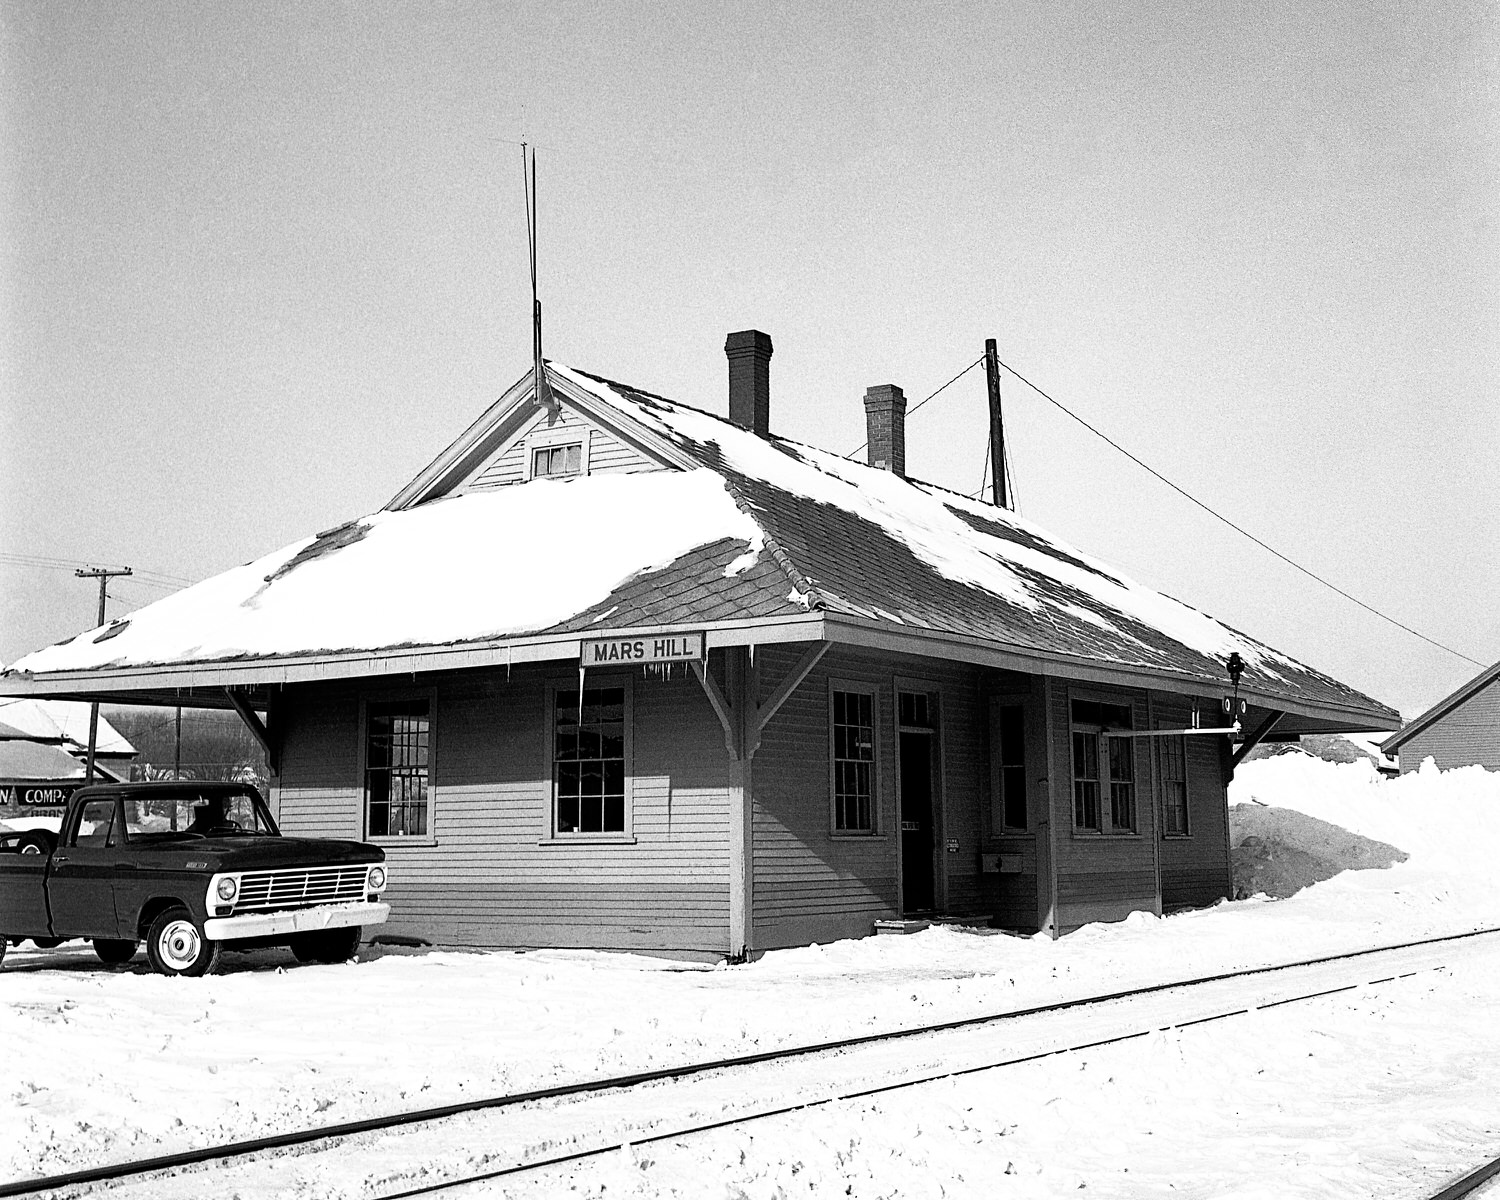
[[1255, 739], [256, 727], [720, 704], [763, 712]]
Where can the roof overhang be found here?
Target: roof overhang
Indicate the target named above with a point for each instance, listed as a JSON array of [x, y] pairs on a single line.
[[206, 684]]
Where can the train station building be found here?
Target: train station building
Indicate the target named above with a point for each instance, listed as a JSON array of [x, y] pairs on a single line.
[[616, 672]]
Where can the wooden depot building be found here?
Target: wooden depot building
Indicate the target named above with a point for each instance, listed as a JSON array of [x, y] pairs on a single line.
[[616, 672]]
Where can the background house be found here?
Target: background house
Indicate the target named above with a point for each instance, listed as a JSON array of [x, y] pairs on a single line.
[[613, 671], [1460, 730], [44, 752]]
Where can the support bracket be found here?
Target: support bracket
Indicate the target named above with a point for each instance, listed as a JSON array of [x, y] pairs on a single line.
[[256, 727], [1256, 737]]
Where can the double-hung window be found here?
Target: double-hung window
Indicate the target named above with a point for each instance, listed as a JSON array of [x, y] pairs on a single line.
[[853, 728], [1171, 763], [589, 761], [1103, 767], [398, 747]]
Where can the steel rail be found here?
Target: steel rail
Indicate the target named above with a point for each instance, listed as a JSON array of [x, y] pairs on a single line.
[[281, 1141], [1467, 1185], [647, 1139]]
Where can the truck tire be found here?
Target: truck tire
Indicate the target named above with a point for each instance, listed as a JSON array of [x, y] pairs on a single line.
[[37, 841], [46, 943], [176, 945], [115, 951], [330, 946]]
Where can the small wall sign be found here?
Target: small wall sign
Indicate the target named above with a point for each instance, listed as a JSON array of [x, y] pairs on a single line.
[[656, 648]]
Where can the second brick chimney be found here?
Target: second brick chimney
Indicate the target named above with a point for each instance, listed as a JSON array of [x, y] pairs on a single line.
[[749, 353], [885, 427]]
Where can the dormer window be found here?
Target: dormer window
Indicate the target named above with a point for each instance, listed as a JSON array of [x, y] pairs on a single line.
[[557, 461]]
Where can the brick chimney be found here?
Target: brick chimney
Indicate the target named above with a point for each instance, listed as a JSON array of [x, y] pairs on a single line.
[[885, 427], [749, 353]]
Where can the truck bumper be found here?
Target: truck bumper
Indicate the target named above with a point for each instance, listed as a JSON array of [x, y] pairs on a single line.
[[296, 920]]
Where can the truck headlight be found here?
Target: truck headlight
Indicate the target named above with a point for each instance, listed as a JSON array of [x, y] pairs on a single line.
[[376, 880], [228, 888]]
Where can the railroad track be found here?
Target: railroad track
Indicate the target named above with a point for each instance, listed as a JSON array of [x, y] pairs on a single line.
[[1193, 1001]]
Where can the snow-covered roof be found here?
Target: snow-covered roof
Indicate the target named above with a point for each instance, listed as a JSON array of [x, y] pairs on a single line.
[[741, 528], [37, 761], [64, 721]]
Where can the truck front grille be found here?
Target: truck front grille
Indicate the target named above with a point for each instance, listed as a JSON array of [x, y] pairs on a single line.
[[301, 887]]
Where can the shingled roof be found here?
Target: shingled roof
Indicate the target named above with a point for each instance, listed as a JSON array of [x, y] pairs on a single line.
[[740, 533]]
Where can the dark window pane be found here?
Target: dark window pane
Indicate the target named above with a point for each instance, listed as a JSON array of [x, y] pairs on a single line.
[[589, 761]]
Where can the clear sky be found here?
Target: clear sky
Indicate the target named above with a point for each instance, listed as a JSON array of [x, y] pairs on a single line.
[[262, 261]]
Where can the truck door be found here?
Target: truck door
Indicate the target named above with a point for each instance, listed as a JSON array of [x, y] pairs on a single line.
[[23, 900], [81, 886]]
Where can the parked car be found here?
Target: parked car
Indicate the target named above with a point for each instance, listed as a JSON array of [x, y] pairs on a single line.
[[191, 869]]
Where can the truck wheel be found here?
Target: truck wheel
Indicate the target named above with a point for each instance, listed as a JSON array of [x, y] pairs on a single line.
[[46, 943], [36, 841], [115, 951], [332, 946], [176, 945]]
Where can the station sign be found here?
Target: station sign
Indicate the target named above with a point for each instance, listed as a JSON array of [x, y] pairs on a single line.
[[653, 648]]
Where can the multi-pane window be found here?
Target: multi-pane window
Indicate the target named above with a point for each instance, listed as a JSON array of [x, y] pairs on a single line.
[[854, 761], [1171, 759], [1011, 753], [557, 460], [1101, 762], [397, 749], [588, 761]]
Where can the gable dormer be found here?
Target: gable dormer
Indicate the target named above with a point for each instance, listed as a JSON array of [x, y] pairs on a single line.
[[557, 443], [517, 440]]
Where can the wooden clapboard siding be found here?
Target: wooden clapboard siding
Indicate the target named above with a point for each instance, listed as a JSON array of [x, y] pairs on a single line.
[[606, 453], [1101, 877], [490, 876], [1195, 869], [813, 885], [318, 789], [805, 877], [1467, 736]]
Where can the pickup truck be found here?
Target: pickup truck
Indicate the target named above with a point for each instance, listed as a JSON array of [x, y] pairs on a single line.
[[192, 869]]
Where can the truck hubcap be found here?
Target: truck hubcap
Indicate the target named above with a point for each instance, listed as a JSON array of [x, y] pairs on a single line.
[[179, 944]]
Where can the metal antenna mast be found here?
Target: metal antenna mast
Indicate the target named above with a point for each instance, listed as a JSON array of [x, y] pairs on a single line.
[[528, 185], [103, 575]]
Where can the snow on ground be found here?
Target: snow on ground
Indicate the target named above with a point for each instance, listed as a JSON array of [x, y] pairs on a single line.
[[1320, 1099]]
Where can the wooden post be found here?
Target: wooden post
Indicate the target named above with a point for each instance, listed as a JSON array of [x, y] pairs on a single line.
[[998, 495], [740, 680], [103, 575]]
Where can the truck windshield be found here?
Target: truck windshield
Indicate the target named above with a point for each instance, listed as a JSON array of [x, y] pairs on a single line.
[[194, 813]]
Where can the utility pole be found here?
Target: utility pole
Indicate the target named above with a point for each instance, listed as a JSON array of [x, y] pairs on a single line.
[[103, 575], [998, 495]]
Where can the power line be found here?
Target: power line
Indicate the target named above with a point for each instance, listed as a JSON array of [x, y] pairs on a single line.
[[919, 403], [1237, 528], [154, 578]]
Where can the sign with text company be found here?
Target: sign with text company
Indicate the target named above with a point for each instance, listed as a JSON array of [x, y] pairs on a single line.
[[654, 648]]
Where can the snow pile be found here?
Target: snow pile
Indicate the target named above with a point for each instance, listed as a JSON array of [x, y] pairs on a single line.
[[1280, 851]]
